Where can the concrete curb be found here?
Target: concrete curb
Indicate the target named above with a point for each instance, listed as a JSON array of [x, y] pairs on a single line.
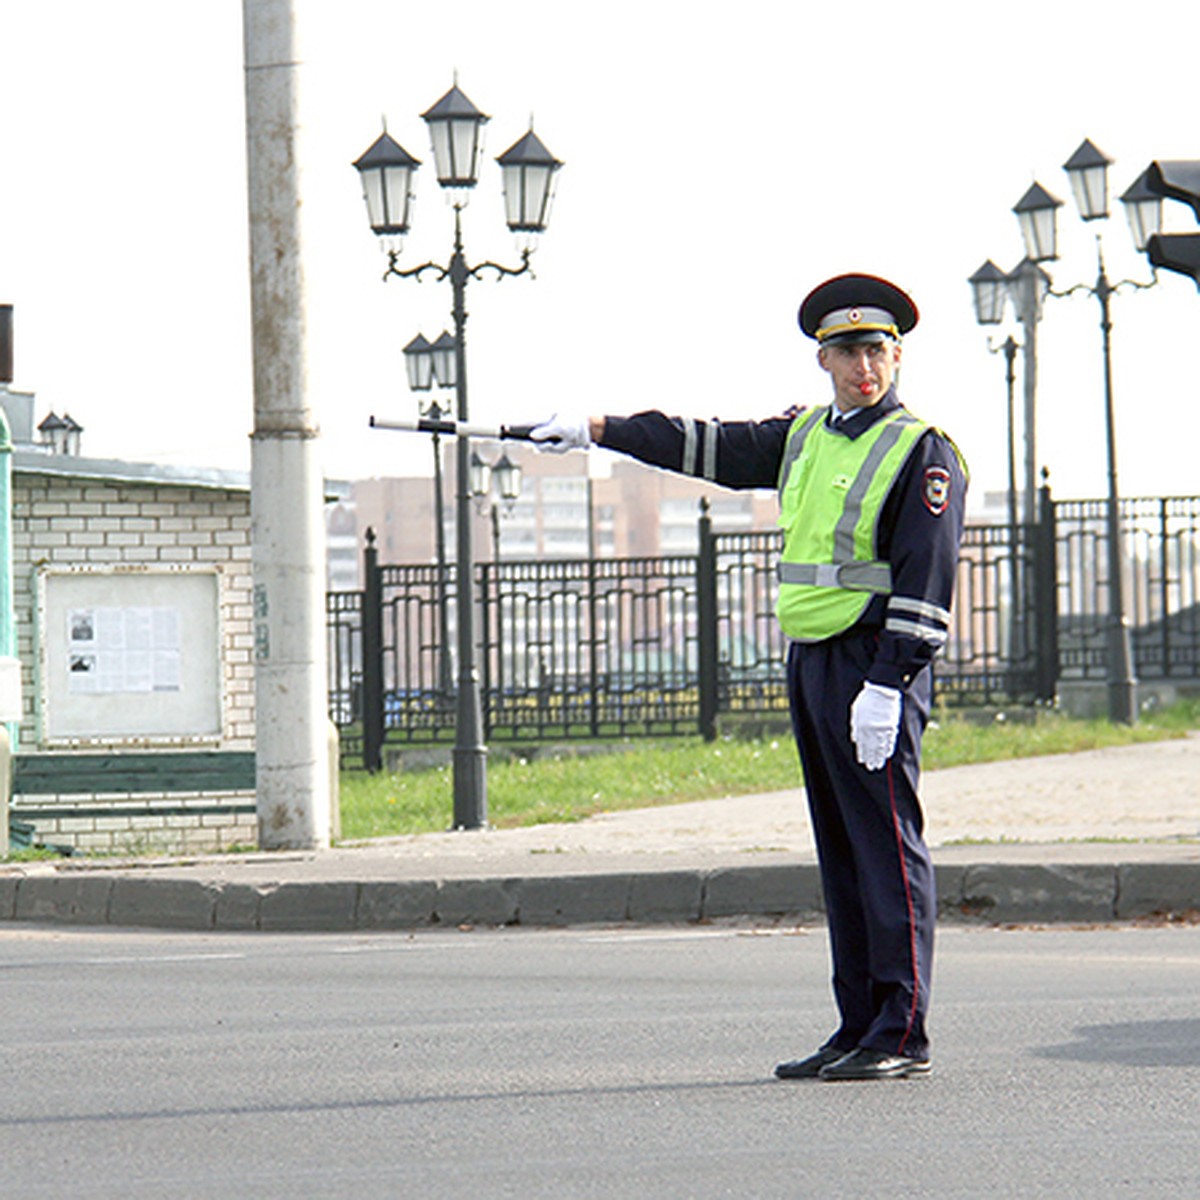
[[988, 893]]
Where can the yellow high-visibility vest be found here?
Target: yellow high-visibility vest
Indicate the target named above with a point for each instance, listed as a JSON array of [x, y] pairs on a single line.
[[831, 493]]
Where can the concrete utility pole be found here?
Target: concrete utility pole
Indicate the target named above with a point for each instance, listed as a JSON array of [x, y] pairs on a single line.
[[286, 486]]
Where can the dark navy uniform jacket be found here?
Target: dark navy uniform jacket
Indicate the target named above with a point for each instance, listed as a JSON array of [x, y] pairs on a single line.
[[920, 526]]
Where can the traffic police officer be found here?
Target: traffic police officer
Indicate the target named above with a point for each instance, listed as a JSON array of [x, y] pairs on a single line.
[[871, 505]]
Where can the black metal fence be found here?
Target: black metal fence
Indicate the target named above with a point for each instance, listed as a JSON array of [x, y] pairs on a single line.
[[638, 646], [593, 648], [1162, 584], [1002, 647]]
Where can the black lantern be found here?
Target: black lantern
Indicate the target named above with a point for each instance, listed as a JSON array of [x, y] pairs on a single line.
[[1037, 212], [479, 477], [528, 179], [508, 478], [74, 431], [1144, 210], [989, 289], [418, 362], [54, 433], [504, 473], [1087, 169], [456, 131], [445, 360], [387, 169]]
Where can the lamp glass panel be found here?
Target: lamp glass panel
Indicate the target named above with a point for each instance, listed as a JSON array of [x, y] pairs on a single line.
[[419, 366], [508, 478], [1145, 220], [465, 139], [439, 137], [527, 196], [455, 151], [445, 361], [1090, 186], [480, 475], [989, 298], [398, 196], [1039, 230], [387, 191], [372, 185]]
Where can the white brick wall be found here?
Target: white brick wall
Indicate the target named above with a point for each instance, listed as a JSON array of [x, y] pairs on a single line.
[[66, 521], [162, 826], [76, 521]]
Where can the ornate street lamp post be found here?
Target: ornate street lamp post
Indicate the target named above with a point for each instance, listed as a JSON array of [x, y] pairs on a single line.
[[1037, 211], [988, 287], [425, 363], [1088, 171], [528, 171]]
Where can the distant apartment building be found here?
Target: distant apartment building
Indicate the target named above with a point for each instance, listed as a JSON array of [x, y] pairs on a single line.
[[561, 512]]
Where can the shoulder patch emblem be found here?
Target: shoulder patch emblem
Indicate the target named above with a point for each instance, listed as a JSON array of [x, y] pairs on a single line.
[[936, 492]]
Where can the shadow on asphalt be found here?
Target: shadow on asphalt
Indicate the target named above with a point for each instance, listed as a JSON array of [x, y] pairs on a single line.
[[1133, 1044]]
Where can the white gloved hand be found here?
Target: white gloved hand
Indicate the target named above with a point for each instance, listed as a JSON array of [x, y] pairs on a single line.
[[560, 434], [874, 724]]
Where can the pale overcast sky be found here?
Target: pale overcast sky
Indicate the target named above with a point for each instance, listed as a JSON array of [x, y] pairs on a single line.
[[721, 159]]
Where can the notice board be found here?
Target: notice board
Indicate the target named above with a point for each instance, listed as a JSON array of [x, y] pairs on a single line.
[[130, 654]]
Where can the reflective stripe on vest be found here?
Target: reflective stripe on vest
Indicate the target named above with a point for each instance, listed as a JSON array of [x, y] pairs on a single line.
[[854, 576], [800, 430], [820, 599]]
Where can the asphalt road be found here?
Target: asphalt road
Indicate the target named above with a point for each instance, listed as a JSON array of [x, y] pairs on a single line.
[[585, 1063]]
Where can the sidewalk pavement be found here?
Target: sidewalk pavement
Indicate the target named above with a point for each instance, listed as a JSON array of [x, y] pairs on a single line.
[[1097, 836]]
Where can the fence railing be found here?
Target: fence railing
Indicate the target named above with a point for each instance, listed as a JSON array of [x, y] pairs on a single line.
[[626, 647], [1161, 583]]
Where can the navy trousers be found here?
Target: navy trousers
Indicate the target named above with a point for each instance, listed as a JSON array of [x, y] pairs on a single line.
[[875, 867]]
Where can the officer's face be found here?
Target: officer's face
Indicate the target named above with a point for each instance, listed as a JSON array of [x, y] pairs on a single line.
[[862, 371]]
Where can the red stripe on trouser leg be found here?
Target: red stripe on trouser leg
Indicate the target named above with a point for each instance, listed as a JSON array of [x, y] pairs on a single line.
[[912, 920]]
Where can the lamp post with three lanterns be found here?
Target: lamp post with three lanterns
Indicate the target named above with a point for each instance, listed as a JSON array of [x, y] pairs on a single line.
[[528, 171]]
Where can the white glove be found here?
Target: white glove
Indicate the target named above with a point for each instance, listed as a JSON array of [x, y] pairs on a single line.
[[560, 434], [874, 724]]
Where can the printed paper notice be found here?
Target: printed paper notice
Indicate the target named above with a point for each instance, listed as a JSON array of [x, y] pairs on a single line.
[[123, 650]]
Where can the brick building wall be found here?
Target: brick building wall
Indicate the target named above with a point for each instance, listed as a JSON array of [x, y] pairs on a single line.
[[74, 514]]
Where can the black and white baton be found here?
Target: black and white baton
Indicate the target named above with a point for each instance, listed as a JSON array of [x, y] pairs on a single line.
[[517, 433]]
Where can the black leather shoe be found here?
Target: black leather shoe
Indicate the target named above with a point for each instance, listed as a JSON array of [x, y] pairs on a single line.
[[875, 1064], [810, 1067]]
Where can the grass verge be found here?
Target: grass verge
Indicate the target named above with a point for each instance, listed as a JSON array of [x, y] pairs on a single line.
[[574, 782]]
